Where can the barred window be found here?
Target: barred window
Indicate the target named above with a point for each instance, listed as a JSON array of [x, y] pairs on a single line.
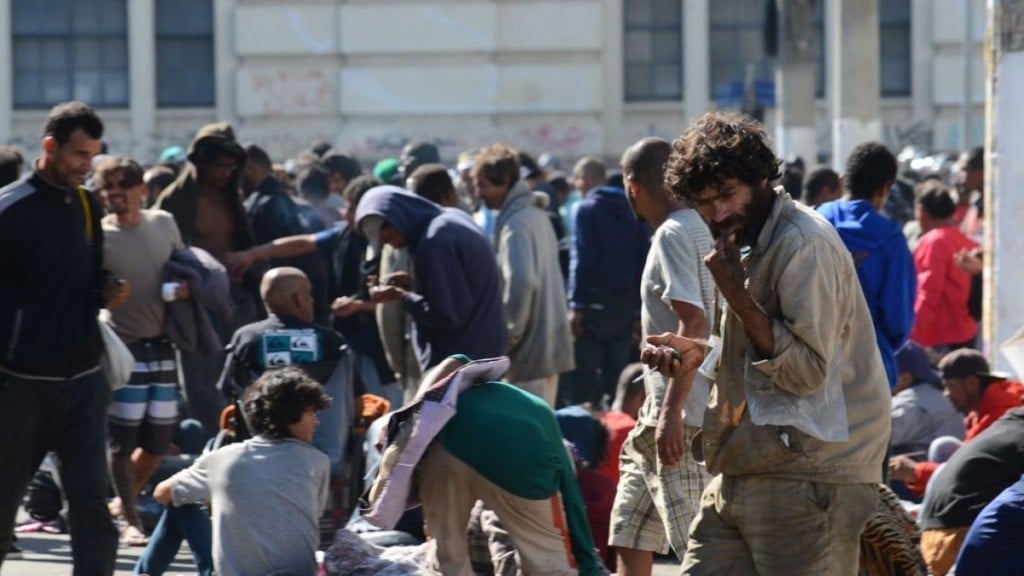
[[737, 47], [184, 53], [653, 50], [70, 50], [893, 48]]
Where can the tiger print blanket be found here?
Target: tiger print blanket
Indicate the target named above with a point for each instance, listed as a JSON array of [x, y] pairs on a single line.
[[890, 543]]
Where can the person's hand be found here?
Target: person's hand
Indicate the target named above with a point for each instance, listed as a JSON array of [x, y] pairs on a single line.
[[669, 435], [183, 292], [238, 263], [902, 468], [725, 265], [400, 280], [969, 261], [116, 292], [385, 294], [346, 306], [672, 355], [576, 322]]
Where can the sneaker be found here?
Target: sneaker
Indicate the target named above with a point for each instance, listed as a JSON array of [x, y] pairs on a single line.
[[13, 552]]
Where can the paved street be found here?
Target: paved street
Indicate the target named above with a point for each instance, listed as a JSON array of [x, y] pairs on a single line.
[[50, 555]]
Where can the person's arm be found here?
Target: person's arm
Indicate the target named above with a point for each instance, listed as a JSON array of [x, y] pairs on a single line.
[[239, 262], [899, 288], [670, 432], [796, 347], [932, 263], [727, 269], [679, 262], [520, 286], [189, 486], [923, 472]]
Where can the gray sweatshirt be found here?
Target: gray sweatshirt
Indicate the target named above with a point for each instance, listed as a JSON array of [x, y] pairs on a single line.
[[267, 496]]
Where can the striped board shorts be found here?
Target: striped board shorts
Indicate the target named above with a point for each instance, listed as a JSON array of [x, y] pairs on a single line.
[[655, 504], [144, 413]]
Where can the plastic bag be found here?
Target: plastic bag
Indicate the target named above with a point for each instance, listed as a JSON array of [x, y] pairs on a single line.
[[821, 414]]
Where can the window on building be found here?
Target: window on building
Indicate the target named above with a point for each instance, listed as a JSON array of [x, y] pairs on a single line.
[[738, 55], [653, 50], [894, 47], [69, 50], [184, 53], [893, 43]]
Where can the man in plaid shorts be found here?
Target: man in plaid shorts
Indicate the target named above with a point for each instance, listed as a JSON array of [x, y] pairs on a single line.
[[144, 413], [660, 483]]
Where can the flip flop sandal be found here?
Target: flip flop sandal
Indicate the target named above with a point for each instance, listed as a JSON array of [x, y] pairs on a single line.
[[132, 536]]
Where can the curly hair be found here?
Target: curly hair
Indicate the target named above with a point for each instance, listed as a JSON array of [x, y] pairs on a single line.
[[279, 398], [497, 163], [717, 147]]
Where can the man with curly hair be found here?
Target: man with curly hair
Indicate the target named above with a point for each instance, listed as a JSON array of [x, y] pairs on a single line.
[[267, 493], [797, 423]]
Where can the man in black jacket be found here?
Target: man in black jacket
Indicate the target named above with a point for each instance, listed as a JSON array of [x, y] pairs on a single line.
[[273, 214], [52, 393]]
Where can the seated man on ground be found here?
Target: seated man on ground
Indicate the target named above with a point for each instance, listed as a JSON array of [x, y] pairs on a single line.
[[972, 478], [267, 493], [288, 337], [920, 411], [974, 391]]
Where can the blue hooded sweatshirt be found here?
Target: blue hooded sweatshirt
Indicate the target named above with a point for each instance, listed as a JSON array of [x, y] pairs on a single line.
[[885, 268], [608, 251], [456, 303]]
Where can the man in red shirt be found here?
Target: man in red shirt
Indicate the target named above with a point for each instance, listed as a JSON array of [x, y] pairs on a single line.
[[974, 391]]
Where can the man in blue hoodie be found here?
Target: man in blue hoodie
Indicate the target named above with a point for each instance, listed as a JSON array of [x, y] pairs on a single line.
[[879, 249], [455, 298], [606, 259]]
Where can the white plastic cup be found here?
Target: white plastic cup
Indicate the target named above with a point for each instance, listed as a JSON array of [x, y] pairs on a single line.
[[169, 291]]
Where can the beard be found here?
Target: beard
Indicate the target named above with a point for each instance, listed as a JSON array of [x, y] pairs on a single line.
[[746, 226]]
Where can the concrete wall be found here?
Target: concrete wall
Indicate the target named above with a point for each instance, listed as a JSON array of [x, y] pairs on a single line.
[[544, 75]]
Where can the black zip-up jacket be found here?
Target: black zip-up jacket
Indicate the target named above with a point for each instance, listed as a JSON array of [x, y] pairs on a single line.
[[51, 280]]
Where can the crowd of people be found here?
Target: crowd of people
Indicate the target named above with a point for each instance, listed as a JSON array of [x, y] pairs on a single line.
[[701, 351]]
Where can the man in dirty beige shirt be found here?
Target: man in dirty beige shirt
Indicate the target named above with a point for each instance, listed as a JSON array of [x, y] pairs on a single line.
[[798, 419]]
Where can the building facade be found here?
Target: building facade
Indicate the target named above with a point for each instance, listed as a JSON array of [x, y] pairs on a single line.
[[567, 77]]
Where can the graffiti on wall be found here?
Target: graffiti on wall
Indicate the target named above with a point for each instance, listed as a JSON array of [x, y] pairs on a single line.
[[281, 91]]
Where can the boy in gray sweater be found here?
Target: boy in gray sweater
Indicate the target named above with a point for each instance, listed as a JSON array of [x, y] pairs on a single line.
[[267, 493]]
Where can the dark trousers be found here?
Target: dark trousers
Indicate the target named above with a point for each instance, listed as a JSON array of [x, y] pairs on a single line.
[[70, 418], [603, 351]]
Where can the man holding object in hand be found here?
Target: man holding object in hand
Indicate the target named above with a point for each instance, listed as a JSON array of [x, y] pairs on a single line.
[[798, 419], [660, 482]]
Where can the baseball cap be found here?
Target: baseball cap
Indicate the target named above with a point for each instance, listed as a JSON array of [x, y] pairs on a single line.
[[172, 155], [912, 358], [967, 362], [370, 226], [386, 169]]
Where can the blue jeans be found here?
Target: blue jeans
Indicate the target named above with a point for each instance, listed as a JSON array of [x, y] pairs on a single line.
[[70, 418], [190, 522]]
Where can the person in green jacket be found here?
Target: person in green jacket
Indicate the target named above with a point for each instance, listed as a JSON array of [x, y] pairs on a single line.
[[504, 447]]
